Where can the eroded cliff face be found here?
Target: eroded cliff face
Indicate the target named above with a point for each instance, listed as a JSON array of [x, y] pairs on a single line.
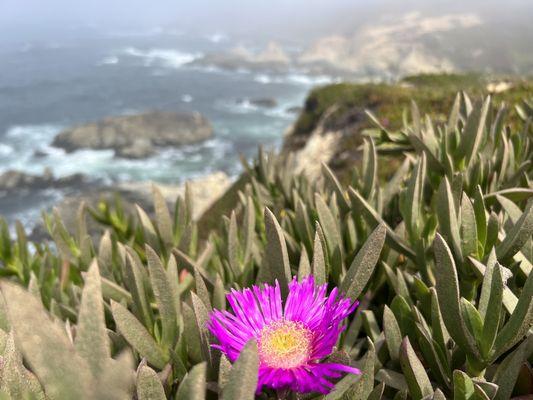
[[330, 127]]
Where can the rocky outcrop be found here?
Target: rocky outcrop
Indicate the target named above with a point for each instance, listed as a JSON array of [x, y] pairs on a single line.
[[137, 136], [13, 181], [263, 102]]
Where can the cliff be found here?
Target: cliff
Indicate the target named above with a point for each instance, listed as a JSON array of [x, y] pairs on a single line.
[[329, 128]]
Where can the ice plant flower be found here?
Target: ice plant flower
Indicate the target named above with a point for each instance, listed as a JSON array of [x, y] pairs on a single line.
[[293, 339]]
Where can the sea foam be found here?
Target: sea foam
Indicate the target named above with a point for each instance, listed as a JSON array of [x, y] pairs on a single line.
[[169, 58]]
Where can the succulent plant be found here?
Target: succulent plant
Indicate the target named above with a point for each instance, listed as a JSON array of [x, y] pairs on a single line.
[[439, 256]]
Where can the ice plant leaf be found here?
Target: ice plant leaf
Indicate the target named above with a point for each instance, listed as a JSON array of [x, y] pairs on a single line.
[[335, 185], [193, 385], [164, 297], [393, 336], [494, 304], [137, 335], [415, 374], [162, 217], [277, 259], [509, 368], [519, 234], [149, 385], [519, 322], [371, 215], [304, 267], [469, 241], [319, 262], [233, 246], [463, 387], [473, 131], [363, 265], [328, 222], [448, 295], [65, 375], [15, 379], [447, 216], [92, 341], [242, 378]]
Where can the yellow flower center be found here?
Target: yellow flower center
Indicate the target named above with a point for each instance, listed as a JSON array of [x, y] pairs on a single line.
[[285, 344]]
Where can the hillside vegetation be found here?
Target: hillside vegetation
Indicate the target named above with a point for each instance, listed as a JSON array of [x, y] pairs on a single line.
[[438, 251]]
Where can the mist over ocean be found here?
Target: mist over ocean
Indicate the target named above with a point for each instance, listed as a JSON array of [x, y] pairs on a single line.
[[50, 84]]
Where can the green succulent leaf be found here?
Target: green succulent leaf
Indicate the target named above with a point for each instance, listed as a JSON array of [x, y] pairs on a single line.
[[415, 374], [92, 341], [448, 295], [137, 335], [277, 260], [164, 297], [149, 385], [364, 263], [194, 384], [242, 379]]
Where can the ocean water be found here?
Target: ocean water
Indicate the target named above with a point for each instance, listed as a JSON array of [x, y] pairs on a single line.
[[50, 84]]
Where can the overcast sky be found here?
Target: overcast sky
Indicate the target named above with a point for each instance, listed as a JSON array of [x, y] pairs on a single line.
[[240, 16]]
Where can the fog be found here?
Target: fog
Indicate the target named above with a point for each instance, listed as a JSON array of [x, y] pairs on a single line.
[[295, 19]]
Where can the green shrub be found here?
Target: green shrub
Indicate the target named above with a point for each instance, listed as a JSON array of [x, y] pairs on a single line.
[[446, 303]]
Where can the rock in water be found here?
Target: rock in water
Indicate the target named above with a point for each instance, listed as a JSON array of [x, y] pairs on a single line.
[[137, 136]]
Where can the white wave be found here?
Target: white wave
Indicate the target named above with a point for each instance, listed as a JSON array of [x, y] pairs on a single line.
[[5, 149], [32, 133], [217, 37], [169, 58], [296, 79], [310, 80], [264, 79], [109, 60], [187, 98]]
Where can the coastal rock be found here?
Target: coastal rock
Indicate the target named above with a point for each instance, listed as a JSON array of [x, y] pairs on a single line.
[[294, 110], [137, 136], [263, 102], [12, 181]]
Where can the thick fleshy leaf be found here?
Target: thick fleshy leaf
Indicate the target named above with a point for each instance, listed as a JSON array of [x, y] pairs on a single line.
[[494, 285], [242, 379], [193, 385], [362, 384], [448, 294], [469, 240], [277, 259], [162, 217], [329, 224], [393, 335], [164, 297], [463, 387], [45, 346], [520, 321], [415, 374], [319, 263], [520, 233], [509, 368], [364, 263], [447, 215], [92, 341], [374, 219], [137, 336], [149, 385]]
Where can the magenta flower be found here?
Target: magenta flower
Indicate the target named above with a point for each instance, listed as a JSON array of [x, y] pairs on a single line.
[[292, 340]]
